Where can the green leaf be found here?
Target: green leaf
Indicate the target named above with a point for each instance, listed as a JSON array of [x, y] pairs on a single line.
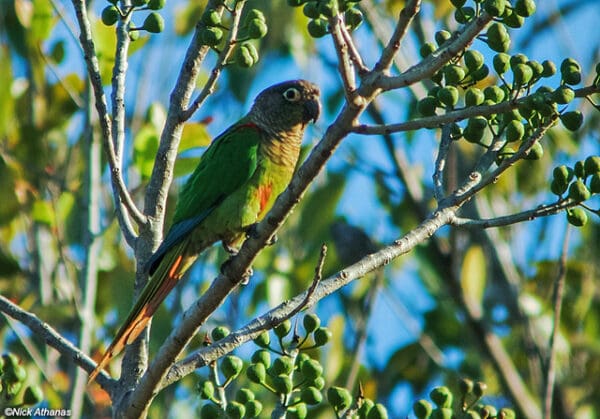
[[145, 146], [185, 165], [42, 212], [6, 99], [194, 135], [473, 277]]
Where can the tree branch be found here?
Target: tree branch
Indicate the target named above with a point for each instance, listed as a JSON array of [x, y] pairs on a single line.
[[52, 338], [121, 194]]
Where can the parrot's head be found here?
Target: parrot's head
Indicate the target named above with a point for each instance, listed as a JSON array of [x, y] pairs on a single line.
[[287, 106]]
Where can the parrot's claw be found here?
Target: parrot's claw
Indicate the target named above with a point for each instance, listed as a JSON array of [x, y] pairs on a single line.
[[233, 251], [272, 240], [252, 233]]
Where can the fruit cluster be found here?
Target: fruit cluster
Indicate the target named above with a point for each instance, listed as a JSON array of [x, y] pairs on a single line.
[[321, 10], [284, 369], [572, 180], [12, 377], [470, 407], [153, 23]]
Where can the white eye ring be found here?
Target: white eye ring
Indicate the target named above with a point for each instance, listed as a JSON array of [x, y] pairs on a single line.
[[292, 94]]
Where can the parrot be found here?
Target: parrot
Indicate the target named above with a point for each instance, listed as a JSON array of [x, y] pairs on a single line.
[[235, 184]]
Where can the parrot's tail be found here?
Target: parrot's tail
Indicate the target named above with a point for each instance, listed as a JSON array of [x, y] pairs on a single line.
[[168, 273]]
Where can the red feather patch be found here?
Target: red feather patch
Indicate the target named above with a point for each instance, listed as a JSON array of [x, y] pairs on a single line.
[[264, 193]]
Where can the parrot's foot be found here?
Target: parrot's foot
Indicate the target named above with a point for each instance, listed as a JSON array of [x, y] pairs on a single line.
[[230, 249], [246, 277]]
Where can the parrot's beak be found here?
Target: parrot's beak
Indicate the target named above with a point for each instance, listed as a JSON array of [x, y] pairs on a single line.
[[312, 109]]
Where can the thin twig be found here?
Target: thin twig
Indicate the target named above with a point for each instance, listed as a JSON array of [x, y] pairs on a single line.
[[345, 64], [559, 286], [440, 163], [406, 16], [93, 68]]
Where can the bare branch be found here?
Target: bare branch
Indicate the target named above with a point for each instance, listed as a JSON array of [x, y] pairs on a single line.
[[406, 16], [121, 193], [559, 288], [440, 163], [51, 337], [541, 211], [345, 64]]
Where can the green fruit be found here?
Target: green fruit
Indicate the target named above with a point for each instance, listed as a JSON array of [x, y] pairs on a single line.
[[257, 29], [501, 62], [110, 15], [353, 18], [592, 165], [464, 15], [493, 93], [322, 335], [427, 49], [479, 389], [572, 120], [16, 374], [378, 412], [473, 60], [283, 384], [254, 14], [453, 74], [422, 409], [558, 188], [154, 23], [579, 169], [578, 192], [595, 183], [365, 408], [231, 366], [206, 389], [474, 96], [295, 3], [480, 74], [299, 411], [219, 333], [311, 395], [339, 398], [262, 356], [465, 385], [549, 68], [256, 373], [263, 340], [311, 10], [563, 95], [563, 174], [443, 413], [134, 35], [571, 76], [156, 4], [211, 18], [535, 153], [522, 74], [282, 365], [311, 322], [244, 395], [537, 69], [33, 395], [525, 8], [139, 3], [311, 369], [458, 3], [577, 217], [498, 38], [211, 36], [448, 96], [455, 131], [441, 396], [494, 7], [235, 410], [441, 37], [210, 411], [427, 106], [568, 64], [327, 8], [283, 329], [253, 408], [512, 20], [317, 28], [506, 413], [317, 382], [514, 131]]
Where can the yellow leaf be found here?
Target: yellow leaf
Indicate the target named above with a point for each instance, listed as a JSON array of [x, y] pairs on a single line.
[[473, 278]]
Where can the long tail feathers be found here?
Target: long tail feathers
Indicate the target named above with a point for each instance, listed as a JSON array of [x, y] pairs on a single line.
[[169, 272]]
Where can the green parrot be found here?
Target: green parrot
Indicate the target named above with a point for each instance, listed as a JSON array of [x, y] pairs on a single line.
[[233, 187]]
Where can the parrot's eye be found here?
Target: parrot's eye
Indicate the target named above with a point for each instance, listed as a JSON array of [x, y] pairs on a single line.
[[292, 94]]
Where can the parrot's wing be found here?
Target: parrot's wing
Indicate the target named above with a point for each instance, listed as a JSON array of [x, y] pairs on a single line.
[[225, 166], [177, 232]]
